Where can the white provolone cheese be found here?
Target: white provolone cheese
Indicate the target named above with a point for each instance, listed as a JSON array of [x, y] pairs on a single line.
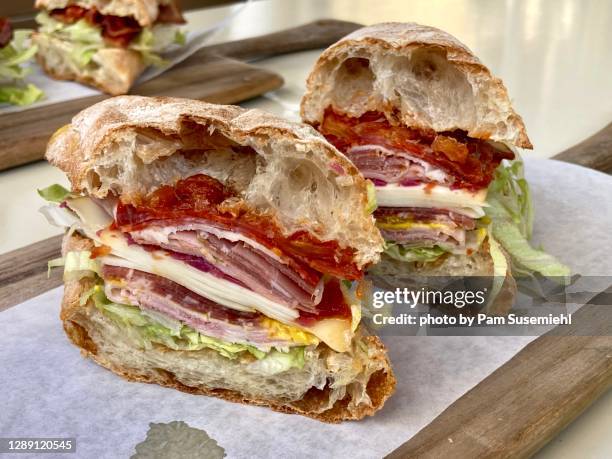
[[90, 213], [461, 201], [221, 291]]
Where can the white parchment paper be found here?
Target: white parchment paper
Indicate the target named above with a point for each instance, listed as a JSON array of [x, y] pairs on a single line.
[[49, 390]]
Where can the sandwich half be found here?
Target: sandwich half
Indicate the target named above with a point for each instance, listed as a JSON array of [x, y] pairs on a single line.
[[428, 124], [219, 251], [105, 44]]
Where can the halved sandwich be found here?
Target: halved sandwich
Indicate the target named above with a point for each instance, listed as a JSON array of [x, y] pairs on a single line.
[[105, 44], [428, 124], [14, 52], [219, 251]]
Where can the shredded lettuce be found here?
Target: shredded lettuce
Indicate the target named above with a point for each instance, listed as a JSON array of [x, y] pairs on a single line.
[[372, 204], [86, 39], [54, 263], [14, 54], [77, 264], [147, 328], [353, 292], [511, 212], [500, 269], [409, 254], [20, 95], [153, 41], [17, 52], [278, 362], [54, 193], [80, 262]]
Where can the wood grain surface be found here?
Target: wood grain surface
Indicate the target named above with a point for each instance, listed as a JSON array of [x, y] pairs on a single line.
[[523, 404], [23, 272], [594, 152], [24, 134], [210, 74]]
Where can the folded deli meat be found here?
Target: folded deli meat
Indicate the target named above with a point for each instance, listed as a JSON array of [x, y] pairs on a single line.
[[425, 121], [430, 186], [218, 251]]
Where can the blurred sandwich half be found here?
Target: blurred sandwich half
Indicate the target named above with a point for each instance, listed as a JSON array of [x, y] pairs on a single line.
[[105, 44]]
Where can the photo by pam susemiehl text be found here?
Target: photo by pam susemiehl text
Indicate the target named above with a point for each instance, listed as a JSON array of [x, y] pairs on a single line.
[[459, 311]]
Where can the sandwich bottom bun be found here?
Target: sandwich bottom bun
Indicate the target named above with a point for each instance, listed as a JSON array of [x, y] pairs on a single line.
[[392, 274], [331, 387], [112, 70]]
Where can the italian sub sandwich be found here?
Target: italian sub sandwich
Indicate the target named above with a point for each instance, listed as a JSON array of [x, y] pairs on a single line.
[[219, 251], [434, 130], [105, 44]]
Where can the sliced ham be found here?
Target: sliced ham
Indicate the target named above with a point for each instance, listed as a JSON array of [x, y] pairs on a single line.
[[160, 295], [426, 214], [420, 237], [385, 165], [441, 227], [470, 162], [259, 270]]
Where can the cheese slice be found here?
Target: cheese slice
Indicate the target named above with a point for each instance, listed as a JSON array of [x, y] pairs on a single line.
[[160, 263], [405, 225], [461, 201], [336, 333]]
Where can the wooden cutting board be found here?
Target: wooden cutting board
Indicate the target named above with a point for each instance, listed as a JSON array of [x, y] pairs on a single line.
[[215, 74]]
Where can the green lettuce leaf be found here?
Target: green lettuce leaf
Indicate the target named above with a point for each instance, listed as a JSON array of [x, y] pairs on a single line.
[[409, 254], [46, 24], [510, 192], [500, 269], [20, 95], [150, 328], [54, 193], [278, 362], [511, 212], [372, 204], [77, 264], [82, 32], [14, 54], [87, 40], [153, 41]]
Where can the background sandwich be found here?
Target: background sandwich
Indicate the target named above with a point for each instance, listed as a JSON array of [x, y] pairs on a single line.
[[428, 124], [218, 251], [105, 44]]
